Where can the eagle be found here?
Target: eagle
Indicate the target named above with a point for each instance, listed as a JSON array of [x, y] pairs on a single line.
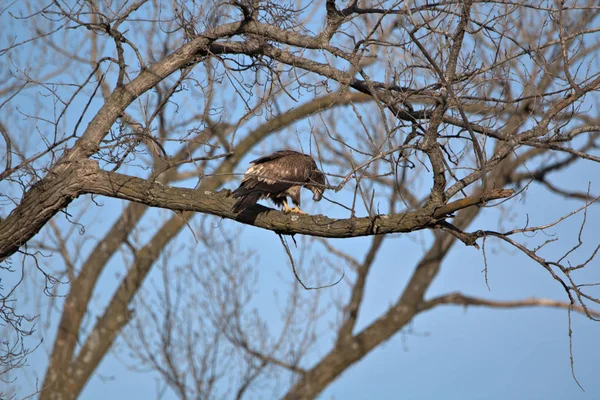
[[278, 176]]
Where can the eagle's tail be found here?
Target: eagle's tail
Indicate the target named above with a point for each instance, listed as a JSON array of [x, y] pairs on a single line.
[[245, 200]]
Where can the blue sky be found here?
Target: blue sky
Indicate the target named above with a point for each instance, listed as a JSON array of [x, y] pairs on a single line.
[[448, 352]]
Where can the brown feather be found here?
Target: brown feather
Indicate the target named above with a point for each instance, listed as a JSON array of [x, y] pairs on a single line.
[[278, 176]]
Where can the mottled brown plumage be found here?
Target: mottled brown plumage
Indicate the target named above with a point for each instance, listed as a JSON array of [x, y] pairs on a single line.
[[278, 176]]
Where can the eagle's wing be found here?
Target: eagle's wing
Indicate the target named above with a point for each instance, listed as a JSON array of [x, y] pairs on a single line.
[[277, 172], [271, 175], [274, 156]]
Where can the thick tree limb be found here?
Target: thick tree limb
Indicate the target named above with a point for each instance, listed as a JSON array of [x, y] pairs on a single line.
[[45, 199], [130, 188], [51, 195]]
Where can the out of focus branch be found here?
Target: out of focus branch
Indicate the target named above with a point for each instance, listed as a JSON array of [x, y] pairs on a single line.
[[463, 300]]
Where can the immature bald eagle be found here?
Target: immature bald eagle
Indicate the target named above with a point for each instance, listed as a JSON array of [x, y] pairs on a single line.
[[277, 176]]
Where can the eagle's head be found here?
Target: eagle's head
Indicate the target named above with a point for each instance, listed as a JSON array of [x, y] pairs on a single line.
[[317, 184]]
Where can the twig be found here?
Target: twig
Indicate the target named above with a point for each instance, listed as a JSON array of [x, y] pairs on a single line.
[[289, 253]]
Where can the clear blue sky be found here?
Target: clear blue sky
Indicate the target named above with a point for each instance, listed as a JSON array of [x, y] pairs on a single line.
[[449, 352]]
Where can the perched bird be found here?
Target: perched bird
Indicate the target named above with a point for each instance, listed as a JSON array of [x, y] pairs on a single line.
[[278, 176]]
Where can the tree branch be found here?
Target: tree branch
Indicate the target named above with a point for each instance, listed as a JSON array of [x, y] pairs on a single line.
[[130, 188], [463, 300]]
